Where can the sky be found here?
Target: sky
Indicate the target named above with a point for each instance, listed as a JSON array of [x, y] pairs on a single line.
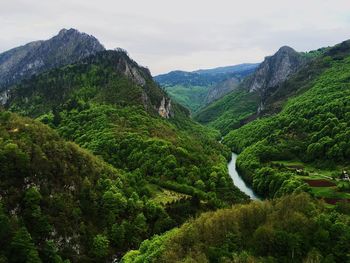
[[166, 35]]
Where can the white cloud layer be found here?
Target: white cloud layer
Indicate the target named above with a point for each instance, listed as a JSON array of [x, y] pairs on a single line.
[[184, 34]]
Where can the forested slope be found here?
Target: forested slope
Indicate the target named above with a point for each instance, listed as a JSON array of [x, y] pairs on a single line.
[[261, 93], [313, 127], [291, 229], [59, 201], [172, 167]]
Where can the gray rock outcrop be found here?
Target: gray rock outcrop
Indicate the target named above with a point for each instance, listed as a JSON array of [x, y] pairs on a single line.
[[65, 48]]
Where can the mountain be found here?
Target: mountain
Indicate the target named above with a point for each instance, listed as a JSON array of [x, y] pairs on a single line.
[[65, 48], [240, 69], [247, 99], [108, 76], [99, 164], [171, 168], [198, 88], [306, 144], [275, 69]]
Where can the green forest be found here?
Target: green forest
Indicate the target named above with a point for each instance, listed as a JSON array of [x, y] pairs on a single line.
[[140, 174], [312, 127], [290, 229], [100, 163]]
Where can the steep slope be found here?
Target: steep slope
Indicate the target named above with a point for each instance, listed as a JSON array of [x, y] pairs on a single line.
[[291, 229], [67, 47], [110, 105], [274, 71], [169, 168], [108, 77], [230, 112], [226, 114], [313, 127], [198, 88], [60, 202], [55, 196]]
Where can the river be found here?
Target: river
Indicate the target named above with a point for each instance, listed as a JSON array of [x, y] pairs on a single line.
[[238, 181]]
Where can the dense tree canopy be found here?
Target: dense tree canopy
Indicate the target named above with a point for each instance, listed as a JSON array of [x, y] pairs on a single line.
[[291, 229]]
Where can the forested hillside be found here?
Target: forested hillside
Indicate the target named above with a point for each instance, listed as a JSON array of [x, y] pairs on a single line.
[[56, 198], [313, 127], [291, 229], [230, 112], [172, 167], [258, 93], [100, 163]]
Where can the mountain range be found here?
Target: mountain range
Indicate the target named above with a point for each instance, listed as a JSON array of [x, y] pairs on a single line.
[[289, 122], [101, 162], [99, 159]]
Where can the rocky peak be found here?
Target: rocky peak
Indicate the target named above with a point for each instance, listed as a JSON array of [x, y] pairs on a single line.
[[65, 31], [65, 48], [275, 70]]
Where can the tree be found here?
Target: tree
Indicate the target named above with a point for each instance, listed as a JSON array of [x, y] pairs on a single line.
[[5, 227], [200, 184], [23, 249], [118, 235], [50, 253], [100, 246]]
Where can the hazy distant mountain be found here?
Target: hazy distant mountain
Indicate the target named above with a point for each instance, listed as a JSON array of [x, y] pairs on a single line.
[[242, 69], [197, 88], [65, 48], [204, 77]]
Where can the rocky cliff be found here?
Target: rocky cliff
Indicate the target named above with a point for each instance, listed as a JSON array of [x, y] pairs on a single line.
[[65, 48], [275, 70]]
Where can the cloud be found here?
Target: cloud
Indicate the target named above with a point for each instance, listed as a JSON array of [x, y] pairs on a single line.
[[184, 34]]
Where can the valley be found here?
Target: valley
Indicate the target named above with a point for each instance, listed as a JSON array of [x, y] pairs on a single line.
[[102, 162], [199, 88]]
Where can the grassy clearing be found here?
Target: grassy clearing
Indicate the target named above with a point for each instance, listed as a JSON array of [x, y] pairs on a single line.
[[329, 192], [164, 196], [314, 173]]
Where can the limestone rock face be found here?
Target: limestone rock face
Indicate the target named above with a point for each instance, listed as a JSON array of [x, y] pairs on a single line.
[[275, 70], [4, 96], [165, 108], [65, 48]]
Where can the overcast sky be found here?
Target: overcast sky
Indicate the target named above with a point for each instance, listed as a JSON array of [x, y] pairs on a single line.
[[166, 35]]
